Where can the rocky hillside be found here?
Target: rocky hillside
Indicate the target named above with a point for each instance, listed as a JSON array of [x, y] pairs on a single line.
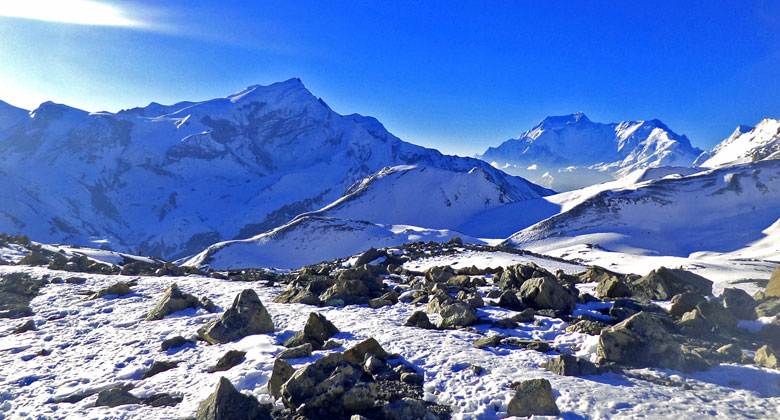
[[746, 144], [418, 331], [170, 180], [570, 152]]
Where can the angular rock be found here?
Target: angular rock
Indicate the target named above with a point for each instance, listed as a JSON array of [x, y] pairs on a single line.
[[640, 341], [420, 319], [379, 302], [119, 289], [546, 293], [28, 325], [527, 315], [713, 312], [509, 300], [226, 403], [536, 345], [739, 303], [174, 300], [315, 332], [664, 283], [769, 307], [358, 352], [175, 342], [228, 360], [247, 316], [438, 274], [472, 298], [685, 302], [612, 287], [767, 357], [533, 397], [489, 341], [368, 256], [158, 367], [587, 326], [281, 373], [456, 314], [568, 365], [438, 300], [773, 287], [505, 324], [730, 351], [116, 396], [407, 409], [304, 350]]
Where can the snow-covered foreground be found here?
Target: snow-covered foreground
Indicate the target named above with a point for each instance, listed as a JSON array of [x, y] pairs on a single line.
[[102, 342]]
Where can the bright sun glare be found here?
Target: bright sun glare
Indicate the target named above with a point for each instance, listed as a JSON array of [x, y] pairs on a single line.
[[83, 12]]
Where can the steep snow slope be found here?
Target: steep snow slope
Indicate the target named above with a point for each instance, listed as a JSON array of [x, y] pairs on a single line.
[[171, 180], [745, 145], [570, 152], [722, 210]]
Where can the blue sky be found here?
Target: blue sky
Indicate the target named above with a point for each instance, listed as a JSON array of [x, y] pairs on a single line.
[[456, 75]]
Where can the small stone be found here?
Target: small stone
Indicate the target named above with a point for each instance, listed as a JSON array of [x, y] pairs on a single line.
[[731, 351], [116, 396], [304, 350], [226, 403], [29, 325], [533, 397], [527, 315], [420, 319], [378, 303], [477, 369], [118, 289], [158, 367], [412, 378], [228, 360], [331, 344], [568, 365], [489, 341], [175, 342], [505, 324]]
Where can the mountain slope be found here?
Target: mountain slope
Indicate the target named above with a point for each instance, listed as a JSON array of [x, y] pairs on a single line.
[[746, 144], [171, 180], [722, 210], [570, 152]]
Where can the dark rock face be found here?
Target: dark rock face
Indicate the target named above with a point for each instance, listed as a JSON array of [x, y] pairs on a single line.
[[714, 313], [664, 283], [685, 302], [175, 342], [175, 300], [116, 396], [228, 360], [420, 319], [353, 286], [16, 292], [568, 365], [509, 300], [640, 341], [158, 367], [247, 316], [226, 403], [281, 373], [316, 331], [533, 397], [546, 293]]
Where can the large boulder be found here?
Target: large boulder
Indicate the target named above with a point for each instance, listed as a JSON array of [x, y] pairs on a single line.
[[568, 365], [247, 316], [358, 352], [116, 396], [546, 293], [420, 320], [407, 409], [533, 398], [612, 287], [174, 300], [685, 302], [664, 283], [739, 303], [226, 403], [228, 360], [714, 313], [640, 341], [767, 357], [456, 314], [16, 292], [316, 331], [773, 287], [281, 373]]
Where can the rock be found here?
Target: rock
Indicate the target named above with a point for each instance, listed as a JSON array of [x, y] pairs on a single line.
[[693, 323], [640, 341], [546, 293], [767, 357], [612, 287], [568, 365], [247, 316], [489, 341], [533, 397], [527, 315], [509, 300], [175, 342], [587, 326], [407, 409], [226, 403], [773, 287], [315, 332], [624, 308], [536, 345], [413, 378], [472, 298], [304, 350], [281, 373], [438, 274], [162, 400], [505, 324], [331, 344], [714, 313], [664, 283], [739, 303], [456, 314], [358, 352], [118, 289], [158, 367], [28, 325], [368, 256], [116, 396], [685, 302], [378, 303], [419, 319], [228, 360], [438, 300], [75, 280], [16, 292], [477, 369], [730, 351], [769, 307], [175, 300]]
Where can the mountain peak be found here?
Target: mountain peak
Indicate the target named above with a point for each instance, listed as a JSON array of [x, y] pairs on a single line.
[[564, 120]]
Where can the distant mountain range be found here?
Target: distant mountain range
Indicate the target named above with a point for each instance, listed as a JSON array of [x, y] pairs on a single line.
[[171, 180]]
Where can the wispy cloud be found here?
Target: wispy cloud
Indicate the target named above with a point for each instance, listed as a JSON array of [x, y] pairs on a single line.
[[80, 12]]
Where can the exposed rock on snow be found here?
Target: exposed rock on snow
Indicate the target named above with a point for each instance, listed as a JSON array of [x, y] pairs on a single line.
[[226, 403], [175, 300], [228, 360], [640, 341], [533, 397], [245, 317]]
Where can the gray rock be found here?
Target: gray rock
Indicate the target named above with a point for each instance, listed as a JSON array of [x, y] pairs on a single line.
[[509, 300], [407, 409], [158, 367], [640, 341], [546, 293], [315, 332], [304, 350], [713, 312], [174, 300], [769, 307], [533, 397], [331, 344], [536, 345], [527, 315], [685, 302], [586, 326], [568, 365], [438, 274], [116, 396], [505, 324], [472, 298], [420, 320], [456, 314], [739, 303], [773, 287], [281, 373], [28, 325], [612, 287], [175, 342], [247, 316], [489, 341], [379, 302], [664, 283], [357, 353], [118, 289], [413, 378], [226, 403], [228, 360], [767, 357]]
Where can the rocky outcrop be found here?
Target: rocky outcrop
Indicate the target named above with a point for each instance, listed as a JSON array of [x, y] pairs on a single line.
[[456, 314], [16, 292], [247, 316], [533, 397], [739, 303]]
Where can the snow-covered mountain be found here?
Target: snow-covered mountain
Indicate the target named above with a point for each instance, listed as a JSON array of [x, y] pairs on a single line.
[[570, 152], [171, 180], [746, 144], [724, 210]]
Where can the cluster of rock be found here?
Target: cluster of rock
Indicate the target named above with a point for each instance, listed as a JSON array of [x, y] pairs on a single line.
[[16, 292]]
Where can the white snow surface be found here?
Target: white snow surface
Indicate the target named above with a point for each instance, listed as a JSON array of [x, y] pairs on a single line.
[[103, 342], [746, 144]]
